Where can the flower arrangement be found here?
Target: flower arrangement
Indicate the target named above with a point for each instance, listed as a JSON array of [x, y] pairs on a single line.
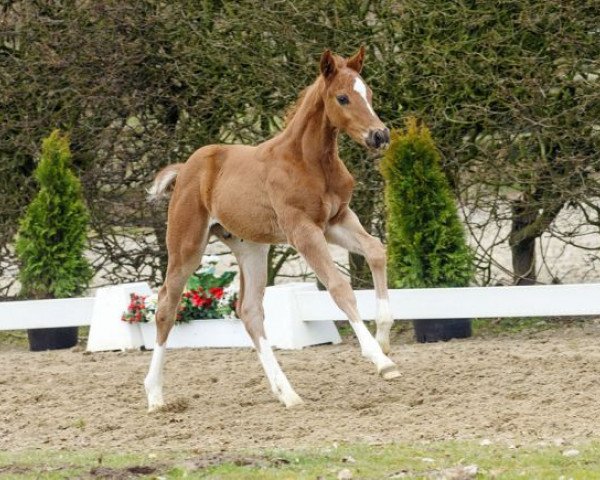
[[206, 295]]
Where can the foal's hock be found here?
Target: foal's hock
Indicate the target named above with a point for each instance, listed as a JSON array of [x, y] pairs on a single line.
[[290, 189]]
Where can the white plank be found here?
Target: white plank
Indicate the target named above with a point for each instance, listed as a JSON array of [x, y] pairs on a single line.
[[61, 312], [107, 331], [470, 302]]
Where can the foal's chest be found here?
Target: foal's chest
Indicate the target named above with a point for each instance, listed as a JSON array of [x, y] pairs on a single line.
[[336, 197]]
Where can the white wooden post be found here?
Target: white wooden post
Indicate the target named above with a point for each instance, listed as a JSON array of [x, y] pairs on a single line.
[[284, 326], [107, 330]]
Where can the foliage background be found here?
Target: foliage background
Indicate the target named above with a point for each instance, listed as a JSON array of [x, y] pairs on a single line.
[[508, 87]]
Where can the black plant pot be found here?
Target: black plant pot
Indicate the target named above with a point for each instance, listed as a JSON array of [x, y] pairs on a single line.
[[441, 330], [52, 338]]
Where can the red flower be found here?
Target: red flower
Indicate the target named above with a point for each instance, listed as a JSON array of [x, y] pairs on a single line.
[[216, 292], [197, 300]]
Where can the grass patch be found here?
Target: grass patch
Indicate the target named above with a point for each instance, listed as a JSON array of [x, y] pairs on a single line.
[[13, 339], [499, 326], [17, 339], [403, 331], [435, 460]]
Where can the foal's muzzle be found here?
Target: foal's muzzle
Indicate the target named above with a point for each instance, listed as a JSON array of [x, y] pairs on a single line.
[[378, 138]]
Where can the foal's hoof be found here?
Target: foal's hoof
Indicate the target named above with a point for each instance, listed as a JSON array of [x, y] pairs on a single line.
[[155, 408], [155, 402], [292, 400], [390, 372]]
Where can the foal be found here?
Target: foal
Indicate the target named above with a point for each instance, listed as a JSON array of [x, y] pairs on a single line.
[[290, 189]]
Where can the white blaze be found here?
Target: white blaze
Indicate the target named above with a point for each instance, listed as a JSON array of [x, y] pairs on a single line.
[[361, 89]]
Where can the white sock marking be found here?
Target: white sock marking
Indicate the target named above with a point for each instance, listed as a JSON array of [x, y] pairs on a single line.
[[154, 379], [384, 323], [361, 89], [279, 382], [384, 312], [369, 346]]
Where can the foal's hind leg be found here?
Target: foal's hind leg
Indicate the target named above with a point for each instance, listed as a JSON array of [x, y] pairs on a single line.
[[252, 259], [350, 234], [187, 235]]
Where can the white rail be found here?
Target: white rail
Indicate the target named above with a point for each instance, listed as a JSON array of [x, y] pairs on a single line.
[[470, 302], [297, 315], [62, 312]]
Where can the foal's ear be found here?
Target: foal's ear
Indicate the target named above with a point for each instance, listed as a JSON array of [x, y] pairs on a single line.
[[356, 62], [328, 67]]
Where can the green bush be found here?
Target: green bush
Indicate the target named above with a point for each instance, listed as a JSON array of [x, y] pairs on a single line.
[[52, 235], [426, 241]]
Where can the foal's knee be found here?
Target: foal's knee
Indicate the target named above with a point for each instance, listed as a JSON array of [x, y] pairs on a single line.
[[252, 316], [376, 256], [252, 311]]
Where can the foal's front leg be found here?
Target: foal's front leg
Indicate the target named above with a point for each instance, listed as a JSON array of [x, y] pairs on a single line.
[[310, 241], [348, 233]]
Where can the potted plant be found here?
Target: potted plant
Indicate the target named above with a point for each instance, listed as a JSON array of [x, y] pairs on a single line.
[[52, 238], [426, 240], [205, 316]]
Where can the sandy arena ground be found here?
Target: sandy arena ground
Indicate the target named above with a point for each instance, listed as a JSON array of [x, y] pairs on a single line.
[[522, 389]]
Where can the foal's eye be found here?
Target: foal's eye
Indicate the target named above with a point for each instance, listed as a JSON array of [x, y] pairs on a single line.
[[343, 99]]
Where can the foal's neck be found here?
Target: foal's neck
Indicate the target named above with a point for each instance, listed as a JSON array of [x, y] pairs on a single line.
[[310, 132]]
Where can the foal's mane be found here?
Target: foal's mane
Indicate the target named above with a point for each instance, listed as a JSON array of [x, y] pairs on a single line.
[[291, 111]]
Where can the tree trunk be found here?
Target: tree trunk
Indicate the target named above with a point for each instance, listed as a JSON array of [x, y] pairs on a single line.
[[523, 250], [360, 274]]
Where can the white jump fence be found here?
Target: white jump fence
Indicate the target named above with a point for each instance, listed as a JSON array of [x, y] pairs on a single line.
[[296, 315]]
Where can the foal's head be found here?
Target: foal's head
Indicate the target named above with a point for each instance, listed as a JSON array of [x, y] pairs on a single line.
[[348, 100]]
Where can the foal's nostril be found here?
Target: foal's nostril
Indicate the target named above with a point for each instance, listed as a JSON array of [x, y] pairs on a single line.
[[386, 135], [378, 138]]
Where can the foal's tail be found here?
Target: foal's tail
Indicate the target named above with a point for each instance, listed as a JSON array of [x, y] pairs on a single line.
[[162, 181]]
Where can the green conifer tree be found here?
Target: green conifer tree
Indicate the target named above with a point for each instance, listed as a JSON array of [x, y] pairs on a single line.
[[426, 240], [52, 236]]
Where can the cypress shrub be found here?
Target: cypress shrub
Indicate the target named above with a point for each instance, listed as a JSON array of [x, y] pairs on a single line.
[[426, 241], [53, 233]]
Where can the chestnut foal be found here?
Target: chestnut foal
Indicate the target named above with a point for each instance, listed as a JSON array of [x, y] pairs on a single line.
[[290, 189]]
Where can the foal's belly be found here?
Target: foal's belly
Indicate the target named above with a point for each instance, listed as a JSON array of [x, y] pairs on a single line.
[[253, 224], [241, 205]]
